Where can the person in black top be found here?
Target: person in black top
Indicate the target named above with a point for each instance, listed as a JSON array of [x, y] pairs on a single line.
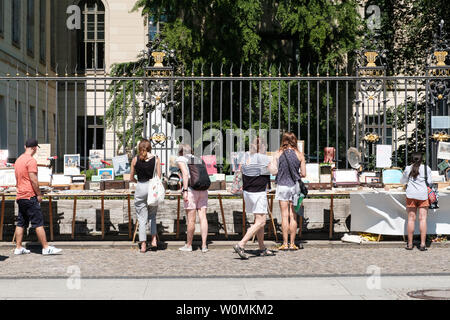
[[145, 165]]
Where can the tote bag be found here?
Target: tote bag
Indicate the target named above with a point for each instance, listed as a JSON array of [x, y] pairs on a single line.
[[156, 191]]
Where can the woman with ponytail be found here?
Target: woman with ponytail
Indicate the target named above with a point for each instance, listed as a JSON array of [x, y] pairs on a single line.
[[417, 198], [289, 165], [145, 165]]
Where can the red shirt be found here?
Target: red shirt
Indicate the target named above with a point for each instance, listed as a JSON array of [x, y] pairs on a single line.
[[23, 166]]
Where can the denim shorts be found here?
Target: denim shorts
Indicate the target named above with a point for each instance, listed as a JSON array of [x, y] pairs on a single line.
[[29, 211], [285, 193]]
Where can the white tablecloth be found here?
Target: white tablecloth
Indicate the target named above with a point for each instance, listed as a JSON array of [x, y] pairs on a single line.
[[385, 213]]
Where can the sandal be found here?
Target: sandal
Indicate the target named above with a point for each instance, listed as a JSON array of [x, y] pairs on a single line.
[[266, 252], [240, 251], [292, 246], [424, 248], [409, 248], [283, 247]]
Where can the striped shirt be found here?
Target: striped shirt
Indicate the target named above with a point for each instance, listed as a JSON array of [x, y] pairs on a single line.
[[255, 173]]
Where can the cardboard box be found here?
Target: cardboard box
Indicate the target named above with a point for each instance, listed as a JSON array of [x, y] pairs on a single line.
[[217, 185], [77, 186], [114, 185]]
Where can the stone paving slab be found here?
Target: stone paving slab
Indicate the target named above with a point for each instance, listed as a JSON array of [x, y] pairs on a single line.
[[219, 244], [171, 263]]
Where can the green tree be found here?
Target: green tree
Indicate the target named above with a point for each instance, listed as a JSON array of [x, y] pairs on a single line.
[[253, 37]]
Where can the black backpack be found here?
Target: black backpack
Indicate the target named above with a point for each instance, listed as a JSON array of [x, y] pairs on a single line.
[[199, 179]]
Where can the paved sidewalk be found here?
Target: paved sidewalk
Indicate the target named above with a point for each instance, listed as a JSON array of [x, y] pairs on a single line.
[[170, 263], [324, 288]]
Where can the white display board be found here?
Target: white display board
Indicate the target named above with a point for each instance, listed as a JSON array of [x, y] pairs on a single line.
[[121, 165], [385, 213], [42, 154], [444, 150], [44, 175], [71, 164], [384, 154], [312, 173], [61, 180], [7, 178]]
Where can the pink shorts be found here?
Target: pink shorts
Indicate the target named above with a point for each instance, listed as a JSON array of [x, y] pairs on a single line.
[[196, 200]]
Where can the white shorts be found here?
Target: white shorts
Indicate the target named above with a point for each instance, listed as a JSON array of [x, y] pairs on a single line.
[[255, 202], [285, 193]]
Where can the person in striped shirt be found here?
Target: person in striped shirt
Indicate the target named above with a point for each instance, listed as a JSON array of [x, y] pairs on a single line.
[[256, 179]]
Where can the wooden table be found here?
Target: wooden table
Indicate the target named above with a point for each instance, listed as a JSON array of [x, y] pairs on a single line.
[[217, 194], [331, 194], [102, 196], [128, 194]]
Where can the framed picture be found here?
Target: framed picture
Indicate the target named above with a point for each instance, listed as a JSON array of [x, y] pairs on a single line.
[[42, 154], [384, 154], [71, 164], [121, 165], [392, 176], [345, 177], [95, 159], [444, 150], [373, 179], [301, 145], [106, 174], [7, 178], [3, 158], [364, 175]]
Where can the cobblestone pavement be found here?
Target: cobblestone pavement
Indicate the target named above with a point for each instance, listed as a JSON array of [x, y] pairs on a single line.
[[311, 261]]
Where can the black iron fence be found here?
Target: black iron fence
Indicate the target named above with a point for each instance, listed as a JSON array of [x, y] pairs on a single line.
[[217, 112]]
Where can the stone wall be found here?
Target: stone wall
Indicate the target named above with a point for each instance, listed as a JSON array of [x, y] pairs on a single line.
[[88, 217]]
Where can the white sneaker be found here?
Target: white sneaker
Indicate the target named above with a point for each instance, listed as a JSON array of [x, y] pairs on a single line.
[[21, 251], [51, 250], [186, 248], [205, 249]]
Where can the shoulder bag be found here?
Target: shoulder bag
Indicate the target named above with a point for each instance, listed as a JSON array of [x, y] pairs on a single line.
[[301, 189], [156, 191], [431, 191]]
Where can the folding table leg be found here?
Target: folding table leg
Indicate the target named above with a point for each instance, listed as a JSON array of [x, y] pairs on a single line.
[[129, 217], [223, 216], [178, 217], [74, 216], [103, 217], [2, 217], [50, 211]]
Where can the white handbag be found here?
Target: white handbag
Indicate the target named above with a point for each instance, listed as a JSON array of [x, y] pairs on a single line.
[[156, 191]]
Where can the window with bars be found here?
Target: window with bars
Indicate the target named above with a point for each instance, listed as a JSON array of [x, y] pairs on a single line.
[[42, 34], [2, 17], [92, 35], [30, 27], [16, 20]]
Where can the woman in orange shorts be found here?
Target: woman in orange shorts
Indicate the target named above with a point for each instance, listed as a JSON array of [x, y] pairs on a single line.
[[416, 198]]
